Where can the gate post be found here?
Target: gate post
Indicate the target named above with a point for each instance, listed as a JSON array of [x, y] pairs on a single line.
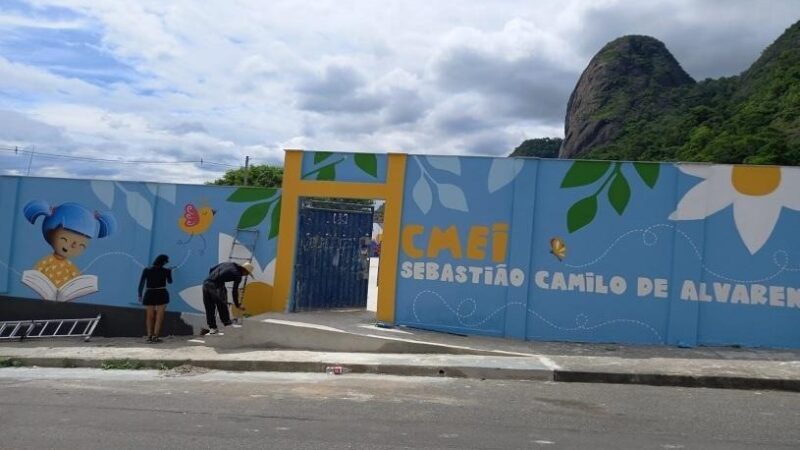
[[390, 246], [295, 187], [287, 237]]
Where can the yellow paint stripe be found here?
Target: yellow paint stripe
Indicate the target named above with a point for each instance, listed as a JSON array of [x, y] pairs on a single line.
[[287, 237], [390, 246], [341, 189]]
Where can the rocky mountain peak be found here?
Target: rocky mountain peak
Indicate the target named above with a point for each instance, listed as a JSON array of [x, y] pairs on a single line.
[[627, 74]]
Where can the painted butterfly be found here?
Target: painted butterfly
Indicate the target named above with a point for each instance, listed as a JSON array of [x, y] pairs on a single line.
[[558, 248], [191, 215]]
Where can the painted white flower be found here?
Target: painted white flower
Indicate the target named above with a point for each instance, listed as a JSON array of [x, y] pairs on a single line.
[[258, 293], [757, 193]]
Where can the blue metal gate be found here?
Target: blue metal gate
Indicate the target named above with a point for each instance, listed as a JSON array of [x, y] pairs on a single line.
[[332, 264]]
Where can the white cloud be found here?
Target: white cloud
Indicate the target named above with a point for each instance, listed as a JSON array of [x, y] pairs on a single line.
[[225, 79]]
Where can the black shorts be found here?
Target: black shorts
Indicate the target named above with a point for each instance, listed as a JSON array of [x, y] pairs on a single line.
[[154, 297]]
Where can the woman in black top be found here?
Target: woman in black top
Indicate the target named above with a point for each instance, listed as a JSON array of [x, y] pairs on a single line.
[[154, 282]]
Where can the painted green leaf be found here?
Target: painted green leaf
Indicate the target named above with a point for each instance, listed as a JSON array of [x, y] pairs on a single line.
[[368, 163], [321, 156], [619, 193], [275, 220], [582, 173], [581, 213], [327, 173], [245, 194], [254, 215], [648, 172]]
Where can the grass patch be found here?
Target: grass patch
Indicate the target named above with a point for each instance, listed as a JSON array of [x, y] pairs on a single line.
[[122, 364], [69, 364], [169, 365], [10, 362]]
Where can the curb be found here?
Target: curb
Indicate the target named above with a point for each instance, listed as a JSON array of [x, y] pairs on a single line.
[[692, 381], [473, 372]]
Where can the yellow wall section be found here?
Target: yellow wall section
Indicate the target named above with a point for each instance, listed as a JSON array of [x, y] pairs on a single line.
[[390, 247], [294, 188], [287, 236]]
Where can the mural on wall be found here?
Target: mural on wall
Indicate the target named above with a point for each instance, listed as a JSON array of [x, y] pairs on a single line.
[[258, 293], [265, 201], [587, 173], [537, 256], [68, 229], [196, 221], [455, 262], [448, 195], [682, 254], [757, 194], [137, 222], [261, 203]]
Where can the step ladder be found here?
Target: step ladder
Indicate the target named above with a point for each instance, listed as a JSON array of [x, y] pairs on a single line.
[[54, 328], [243, 249]]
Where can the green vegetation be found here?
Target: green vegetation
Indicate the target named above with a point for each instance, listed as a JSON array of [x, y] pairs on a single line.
[[266, 176], [752, 118], [538, 148], [263, 175], [122, 364], [10, 362]]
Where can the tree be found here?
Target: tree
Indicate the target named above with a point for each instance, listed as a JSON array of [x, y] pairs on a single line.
[[539, 148], [269, 176], [263, 175], [379, 211]]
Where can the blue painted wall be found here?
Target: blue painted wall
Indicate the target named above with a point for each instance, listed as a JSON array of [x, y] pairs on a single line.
[[653, 253], [530, 249], [192, 224]]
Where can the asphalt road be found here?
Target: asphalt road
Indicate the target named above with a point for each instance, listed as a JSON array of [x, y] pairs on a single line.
[[114, 409]]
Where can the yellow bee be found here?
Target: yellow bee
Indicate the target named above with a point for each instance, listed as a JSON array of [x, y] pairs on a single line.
[[558, 248], [195, 222]]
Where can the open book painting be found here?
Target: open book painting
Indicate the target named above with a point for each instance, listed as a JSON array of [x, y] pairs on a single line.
[[72, 289]]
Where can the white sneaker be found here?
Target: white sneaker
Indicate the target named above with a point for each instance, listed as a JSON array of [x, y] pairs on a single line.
[[213, 331]]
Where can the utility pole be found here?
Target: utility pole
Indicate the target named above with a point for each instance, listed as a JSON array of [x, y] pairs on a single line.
[[30, 161], [246, 168]]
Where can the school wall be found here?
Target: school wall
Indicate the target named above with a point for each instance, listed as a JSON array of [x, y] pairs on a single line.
[[678, 254], [193, 224]]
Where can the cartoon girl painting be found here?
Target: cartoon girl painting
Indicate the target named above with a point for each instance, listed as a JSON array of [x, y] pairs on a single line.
[[67, 228]]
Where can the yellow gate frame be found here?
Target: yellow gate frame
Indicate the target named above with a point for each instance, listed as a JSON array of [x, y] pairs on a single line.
[[295, 187]]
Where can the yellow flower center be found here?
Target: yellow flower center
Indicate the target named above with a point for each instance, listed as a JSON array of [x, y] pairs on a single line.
[[756, 180], [257, 299]]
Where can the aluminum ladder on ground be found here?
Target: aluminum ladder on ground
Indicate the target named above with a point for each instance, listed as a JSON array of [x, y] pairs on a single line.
[[246, 239], [36, 329]]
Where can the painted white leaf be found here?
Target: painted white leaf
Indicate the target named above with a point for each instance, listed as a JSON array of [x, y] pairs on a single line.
[[449, 163], [240, 252], [503, 171], [104, 190], [269, 272], [168, 192], [451, 196], [422, 194], [165, 191], [193, 296], [139, 208]]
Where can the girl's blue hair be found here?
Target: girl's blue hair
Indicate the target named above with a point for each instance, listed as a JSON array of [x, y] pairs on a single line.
[[71, 216]]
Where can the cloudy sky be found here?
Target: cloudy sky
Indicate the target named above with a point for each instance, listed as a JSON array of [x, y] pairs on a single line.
[[183, 80]]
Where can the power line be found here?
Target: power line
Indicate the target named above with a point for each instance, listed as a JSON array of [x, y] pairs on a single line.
[[200, 161]]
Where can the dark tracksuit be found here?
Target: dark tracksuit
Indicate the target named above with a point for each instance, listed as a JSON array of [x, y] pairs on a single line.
[[215, 296]]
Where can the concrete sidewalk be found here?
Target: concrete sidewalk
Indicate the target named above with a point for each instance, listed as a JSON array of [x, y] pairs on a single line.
[[702, 367]]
